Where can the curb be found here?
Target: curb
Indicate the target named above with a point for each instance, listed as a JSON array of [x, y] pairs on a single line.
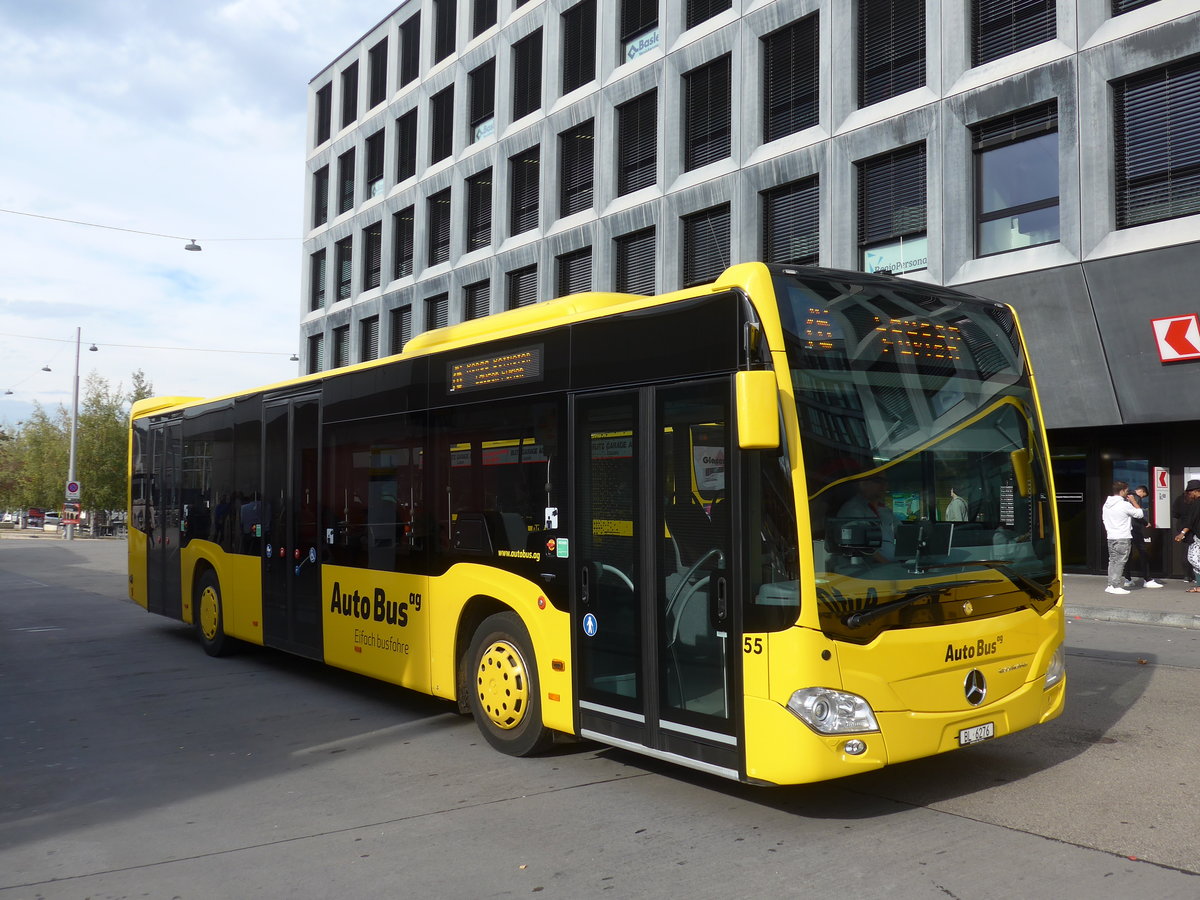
[[1134, 616]]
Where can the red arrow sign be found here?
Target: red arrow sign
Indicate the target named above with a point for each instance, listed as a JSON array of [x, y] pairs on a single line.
[[1178, 337]]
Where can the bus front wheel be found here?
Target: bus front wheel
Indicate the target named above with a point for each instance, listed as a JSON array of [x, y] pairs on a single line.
[[209, 615], [503, 685]]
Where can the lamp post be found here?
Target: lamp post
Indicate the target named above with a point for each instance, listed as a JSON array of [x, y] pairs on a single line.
[[74, 423]]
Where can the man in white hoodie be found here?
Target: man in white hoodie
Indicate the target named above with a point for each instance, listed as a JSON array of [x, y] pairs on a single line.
[[1119, 512]]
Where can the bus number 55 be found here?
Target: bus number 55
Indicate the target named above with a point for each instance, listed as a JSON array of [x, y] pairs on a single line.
[[753, 645]]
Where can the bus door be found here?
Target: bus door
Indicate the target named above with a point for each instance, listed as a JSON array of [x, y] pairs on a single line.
[[163, 582], [291, 547], [656, 624]]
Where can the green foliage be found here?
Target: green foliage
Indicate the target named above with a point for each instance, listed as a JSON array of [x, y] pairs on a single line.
[[34, 458]]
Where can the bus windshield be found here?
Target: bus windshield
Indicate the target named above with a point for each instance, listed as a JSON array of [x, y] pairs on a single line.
[[926, 476]]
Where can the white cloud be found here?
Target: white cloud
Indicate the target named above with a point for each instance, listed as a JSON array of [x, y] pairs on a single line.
[[179, 119]]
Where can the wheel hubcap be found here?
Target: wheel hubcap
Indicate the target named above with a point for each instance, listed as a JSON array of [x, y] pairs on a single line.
[[502, 685], [209, 608]]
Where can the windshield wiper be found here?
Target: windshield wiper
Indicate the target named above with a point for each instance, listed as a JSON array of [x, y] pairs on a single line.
[[1028, 585], [909, 597]]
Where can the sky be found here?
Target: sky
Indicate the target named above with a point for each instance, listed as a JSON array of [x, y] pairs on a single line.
[[179, 119]]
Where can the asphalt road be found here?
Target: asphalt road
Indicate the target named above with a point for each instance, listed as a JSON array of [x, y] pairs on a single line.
[[132, 765]]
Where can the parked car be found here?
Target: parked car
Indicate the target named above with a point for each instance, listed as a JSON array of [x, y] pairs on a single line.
[[9, 517], [51, 521]]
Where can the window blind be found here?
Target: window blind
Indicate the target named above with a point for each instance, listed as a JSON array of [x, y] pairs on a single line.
[[402, 243], [575, 272], [439, 227], [579, 45], [891, 195], [700, 10], [524, 172], [372, 255], [400, 328], [437, 311], [410, 49], [368, 339], [406, 145], [576, 167], [705, 245], [477, 299], [637, 143], [791, 78], [522, 287], [479, 209], [891, 48], [441, 131], [635, 262], [527, 75], [1001, 27], [791, 223], [707, 114]]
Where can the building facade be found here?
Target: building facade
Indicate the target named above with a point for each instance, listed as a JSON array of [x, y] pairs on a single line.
[[470, 156]]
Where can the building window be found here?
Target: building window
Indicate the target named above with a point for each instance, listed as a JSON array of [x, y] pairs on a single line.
[[578, 45], [324, 115], [707, 114], [576, 154], [1157, 138], [316, 281], [316, 353], [372, 255], [527, 75], [637, 143], [639, 28], [349, 94], [406, 145], [483, 16], [524, 170], [377, 73], [410, 49], [439, 227], [477, 299], [635, 262], [1001, 27], [891, 48], [399, 329], [705, 245], [791, 224], [374, 180], [341, 346], [343, 258], [1124, 6], [368, 339], [791, 79], [482, 85], [479, 209], [437, 311], [445, 16], [320, 196], [441, 121], [1016, 172], [346, 181], [402, 243], [575, 272], [701, 10], [522, 287], [891, 212]]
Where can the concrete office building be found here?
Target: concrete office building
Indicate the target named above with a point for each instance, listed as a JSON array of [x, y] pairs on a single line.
[[468, 156]]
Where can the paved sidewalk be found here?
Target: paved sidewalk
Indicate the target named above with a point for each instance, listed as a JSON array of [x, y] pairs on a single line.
[[1168, 605]]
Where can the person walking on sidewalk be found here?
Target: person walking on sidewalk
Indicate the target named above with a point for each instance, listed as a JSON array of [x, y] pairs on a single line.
[[1139, 549], [1179, 514], [1189, 531], [1120, 509]]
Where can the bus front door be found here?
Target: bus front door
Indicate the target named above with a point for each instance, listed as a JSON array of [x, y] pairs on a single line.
[[163, 579], [291, 575], [655, 619]]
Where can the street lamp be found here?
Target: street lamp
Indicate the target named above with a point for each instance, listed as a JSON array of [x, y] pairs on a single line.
[[75, 422]]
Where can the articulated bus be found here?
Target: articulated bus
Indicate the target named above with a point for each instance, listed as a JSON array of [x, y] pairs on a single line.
[[789, 526]]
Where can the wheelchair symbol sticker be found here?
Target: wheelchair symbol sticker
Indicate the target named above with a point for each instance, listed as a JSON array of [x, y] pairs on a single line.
[[589, 625]]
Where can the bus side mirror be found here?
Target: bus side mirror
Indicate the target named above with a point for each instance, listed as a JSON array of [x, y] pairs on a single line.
[[757, 410]]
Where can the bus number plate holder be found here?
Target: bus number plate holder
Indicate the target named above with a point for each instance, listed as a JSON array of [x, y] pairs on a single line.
[[976, 734]]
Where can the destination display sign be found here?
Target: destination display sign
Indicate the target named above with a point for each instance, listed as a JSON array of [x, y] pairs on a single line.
[[520, 365]]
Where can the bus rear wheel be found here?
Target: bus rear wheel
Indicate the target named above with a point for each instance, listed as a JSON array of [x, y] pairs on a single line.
[[209, 615], [503, 687]]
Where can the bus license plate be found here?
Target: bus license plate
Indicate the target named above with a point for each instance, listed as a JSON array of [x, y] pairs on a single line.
[[976, 734]]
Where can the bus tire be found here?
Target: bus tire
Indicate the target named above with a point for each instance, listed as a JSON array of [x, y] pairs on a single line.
[[209, 616], [503, 689]]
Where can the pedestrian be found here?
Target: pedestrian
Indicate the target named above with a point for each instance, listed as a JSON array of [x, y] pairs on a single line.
[[1139, 549], [1179, 514], [1119, 510], [956, 508], [1189, 531]]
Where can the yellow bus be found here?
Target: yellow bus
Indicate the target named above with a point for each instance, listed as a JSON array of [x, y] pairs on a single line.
[[789, 526]]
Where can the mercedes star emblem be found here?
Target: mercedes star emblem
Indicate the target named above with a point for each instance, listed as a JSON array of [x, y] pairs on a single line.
[[975, 687]]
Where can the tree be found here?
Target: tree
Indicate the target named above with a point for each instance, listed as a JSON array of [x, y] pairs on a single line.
[[101, 444]]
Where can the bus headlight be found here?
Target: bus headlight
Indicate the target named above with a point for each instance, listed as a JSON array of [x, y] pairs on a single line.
[[1057, 668], [827, 711]]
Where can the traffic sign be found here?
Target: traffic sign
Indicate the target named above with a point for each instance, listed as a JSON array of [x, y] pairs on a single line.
[[1178, 337], [72, 490]]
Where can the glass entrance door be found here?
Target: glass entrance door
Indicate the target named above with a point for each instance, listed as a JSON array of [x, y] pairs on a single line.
[[291, 549], [656, 617]]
